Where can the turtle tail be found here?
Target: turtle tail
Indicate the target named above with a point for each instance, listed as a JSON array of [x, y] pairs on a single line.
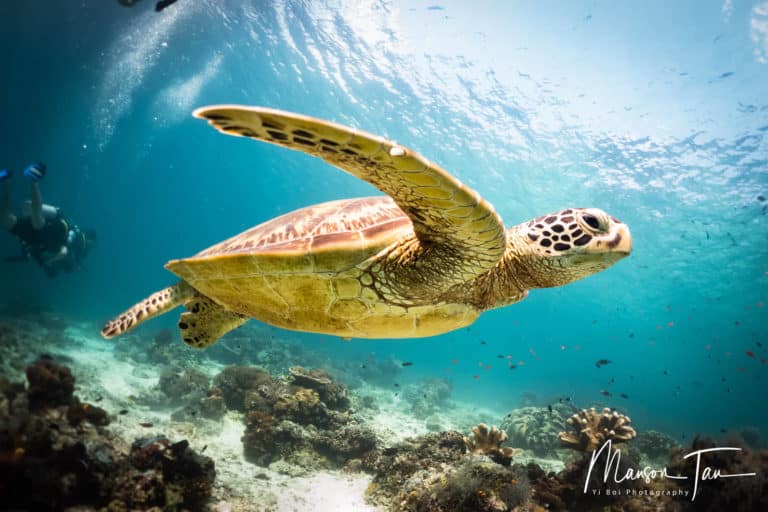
[[156, 304]]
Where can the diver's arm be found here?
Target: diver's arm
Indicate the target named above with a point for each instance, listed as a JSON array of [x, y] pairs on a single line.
[[59, 255], [38, 220]]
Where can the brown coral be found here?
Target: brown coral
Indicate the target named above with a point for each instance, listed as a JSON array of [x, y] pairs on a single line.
[[593, 428], [488, 442], [333, 394]]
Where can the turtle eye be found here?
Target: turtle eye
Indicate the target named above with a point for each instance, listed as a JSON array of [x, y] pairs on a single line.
[[591, 221]]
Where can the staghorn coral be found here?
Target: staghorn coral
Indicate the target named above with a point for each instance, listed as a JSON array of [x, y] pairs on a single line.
[[536, 428], [593, 428], [488, 442]]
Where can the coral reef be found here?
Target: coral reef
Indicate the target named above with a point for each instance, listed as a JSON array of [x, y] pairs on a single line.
[[487, 442], [183, 386], [331, 393], [434, 473], [536, 428], [655, 447], [734, 494], [427, 397], [49, 384], [56, 454], [592, 429], [564, 491], [303, 419], [473, 485], [394, 465], [235, 381]]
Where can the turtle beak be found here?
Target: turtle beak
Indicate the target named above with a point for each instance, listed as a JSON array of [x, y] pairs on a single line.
[[620, 240]]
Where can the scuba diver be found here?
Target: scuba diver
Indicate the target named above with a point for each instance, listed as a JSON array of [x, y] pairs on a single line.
[[159, 6], [46, 237]]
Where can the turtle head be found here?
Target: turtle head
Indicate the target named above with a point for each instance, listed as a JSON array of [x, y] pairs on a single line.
[[565, 246]]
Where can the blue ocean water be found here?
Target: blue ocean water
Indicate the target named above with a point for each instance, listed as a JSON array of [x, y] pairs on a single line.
[[655, 112]]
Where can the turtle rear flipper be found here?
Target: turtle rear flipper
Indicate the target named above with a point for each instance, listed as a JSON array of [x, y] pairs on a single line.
[[205, 322], [154, 305]]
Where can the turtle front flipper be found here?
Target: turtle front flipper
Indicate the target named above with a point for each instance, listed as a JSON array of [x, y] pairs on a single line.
[[154, 305], [205, 322], [444, 212]]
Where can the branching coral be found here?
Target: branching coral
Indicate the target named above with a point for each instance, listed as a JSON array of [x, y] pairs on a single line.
[[593, 428], [488, 442]]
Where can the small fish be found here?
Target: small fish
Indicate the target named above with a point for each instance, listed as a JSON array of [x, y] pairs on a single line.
[[123, 411], [549, 407], [759, 344], [722, 379], [454, 361], [670, 324], [363, 366], [407, 363], [631, 335], [762, 361], [761, 198], [397, 394], [723, 430], [605, 392], [475, 377], [512, 366], [98, 398], [666, 372], [146, 425], [500, 356], [612, 380], [562, 347], [602, 362], [487, 367], [397, 385], [707, 232], [750, 354], [624, 396], [483, 342]]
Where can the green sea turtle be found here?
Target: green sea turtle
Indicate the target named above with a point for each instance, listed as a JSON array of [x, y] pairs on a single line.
[[427, 258]]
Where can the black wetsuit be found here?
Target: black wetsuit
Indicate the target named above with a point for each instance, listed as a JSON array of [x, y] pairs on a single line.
[[41, 244]]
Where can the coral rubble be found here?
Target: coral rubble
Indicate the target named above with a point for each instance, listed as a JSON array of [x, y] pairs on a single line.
[[592, 429]]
